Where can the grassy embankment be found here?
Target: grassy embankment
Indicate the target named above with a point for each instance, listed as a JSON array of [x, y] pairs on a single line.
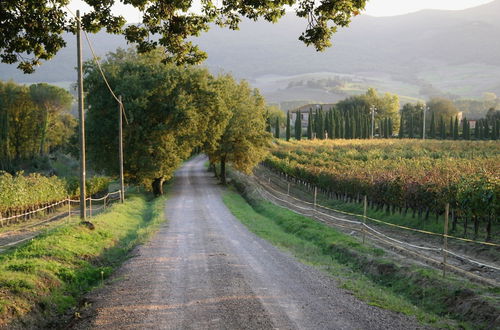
[[47, 276], [366, 271]]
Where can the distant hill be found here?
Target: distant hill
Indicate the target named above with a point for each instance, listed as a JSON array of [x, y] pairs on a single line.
[[431, 52]]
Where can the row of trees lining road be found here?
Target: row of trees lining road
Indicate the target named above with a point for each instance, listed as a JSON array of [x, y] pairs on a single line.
[[171, 111], [34, 121]]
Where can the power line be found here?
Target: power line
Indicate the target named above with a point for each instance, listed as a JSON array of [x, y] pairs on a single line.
[[96, 60]]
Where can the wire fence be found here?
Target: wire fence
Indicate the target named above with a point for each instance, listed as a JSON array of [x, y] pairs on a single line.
[[105, 200], [316, 210]]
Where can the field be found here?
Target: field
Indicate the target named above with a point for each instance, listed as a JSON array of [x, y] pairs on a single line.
[[405, 177]]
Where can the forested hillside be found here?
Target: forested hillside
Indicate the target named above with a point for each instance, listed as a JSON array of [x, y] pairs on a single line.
[[400, 54]]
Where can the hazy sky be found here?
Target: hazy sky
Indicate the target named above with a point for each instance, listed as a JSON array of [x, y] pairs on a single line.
[[374, 7]]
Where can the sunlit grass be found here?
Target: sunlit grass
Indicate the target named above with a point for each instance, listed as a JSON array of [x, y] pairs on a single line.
[[52, 271]]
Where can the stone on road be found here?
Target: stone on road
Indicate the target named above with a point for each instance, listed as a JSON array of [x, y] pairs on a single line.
[[205, 270]]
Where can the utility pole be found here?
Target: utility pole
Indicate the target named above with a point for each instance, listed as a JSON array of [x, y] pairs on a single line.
[[81, 117], [373, 109], [423, 129], [120, 143]]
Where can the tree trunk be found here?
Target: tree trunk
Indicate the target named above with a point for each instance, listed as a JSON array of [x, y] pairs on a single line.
[[453, 220], [223, 170], [476, 226], [157, 186], [488, 229]]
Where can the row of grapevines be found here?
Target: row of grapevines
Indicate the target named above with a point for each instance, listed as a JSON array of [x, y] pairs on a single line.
[[19, 193], [419, 175]]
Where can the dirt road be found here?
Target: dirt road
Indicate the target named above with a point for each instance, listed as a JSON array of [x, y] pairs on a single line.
[[204, 270]]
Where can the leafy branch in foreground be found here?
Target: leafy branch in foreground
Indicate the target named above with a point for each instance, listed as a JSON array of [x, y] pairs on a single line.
[[32, 31]]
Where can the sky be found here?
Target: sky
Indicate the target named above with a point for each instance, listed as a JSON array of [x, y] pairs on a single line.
[[373, 7]]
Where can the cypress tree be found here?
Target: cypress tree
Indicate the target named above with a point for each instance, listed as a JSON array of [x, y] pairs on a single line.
[[464, 128], [347, 127], [442, 129], [497, 130], [309, 126], [277, 128], [367, 128], [331, 124], [486, 129], [401, 127], [341, 125], [411, 127], [327, 125], [298, 127], [354, 125], [455, 130], [432, 132], [390, 127], [357, 125], [288, 128], [476, 130], [451, 127], [321, 125]]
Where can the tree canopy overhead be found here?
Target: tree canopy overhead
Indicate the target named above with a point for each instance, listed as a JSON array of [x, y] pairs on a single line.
[[32, 30]]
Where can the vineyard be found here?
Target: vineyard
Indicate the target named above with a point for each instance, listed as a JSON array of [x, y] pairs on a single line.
[[409, 177], [24, 193]]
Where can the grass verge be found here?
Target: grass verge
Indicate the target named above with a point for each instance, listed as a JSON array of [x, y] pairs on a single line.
[[50, 273], [365, 271], [432, 224]]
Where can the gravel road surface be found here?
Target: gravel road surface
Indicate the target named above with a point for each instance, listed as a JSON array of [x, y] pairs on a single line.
[[205, 270]]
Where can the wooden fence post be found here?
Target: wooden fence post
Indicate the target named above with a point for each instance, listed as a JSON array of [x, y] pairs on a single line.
[[365, 204], [315, 195], [445, 237]]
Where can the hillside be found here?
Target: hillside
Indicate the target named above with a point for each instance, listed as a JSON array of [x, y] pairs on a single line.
[[432, 52]]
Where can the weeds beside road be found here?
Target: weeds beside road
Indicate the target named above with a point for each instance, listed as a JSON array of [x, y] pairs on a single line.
[[48, 275]]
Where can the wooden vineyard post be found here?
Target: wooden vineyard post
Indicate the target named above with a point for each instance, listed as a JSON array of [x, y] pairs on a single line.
[[445, 237], [365, 204], [69, 207], [315, 195], [104, 201]]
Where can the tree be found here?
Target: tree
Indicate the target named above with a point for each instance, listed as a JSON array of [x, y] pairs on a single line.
[[298, 126], [310, 120], [54, 104], [288, 128], [167, 109], [455, 129], [465, 129], [432, 132], [452, 127], [401, 128], [35, 28], [411, 128], [442, 128], [32, 119], [244, 139], [277, 128], [492, 115], [442, 107]]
